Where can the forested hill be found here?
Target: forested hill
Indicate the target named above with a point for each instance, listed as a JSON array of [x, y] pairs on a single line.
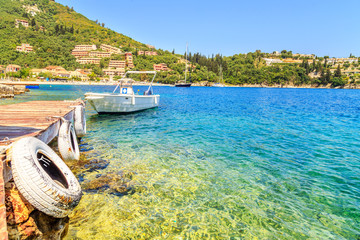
[[53, 32]]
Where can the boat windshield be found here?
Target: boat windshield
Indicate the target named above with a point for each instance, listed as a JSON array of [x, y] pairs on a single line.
[[126, 82]]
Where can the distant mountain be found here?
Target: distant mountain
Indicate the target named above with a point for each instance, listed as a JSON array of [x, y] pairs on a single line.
[[53, 31]]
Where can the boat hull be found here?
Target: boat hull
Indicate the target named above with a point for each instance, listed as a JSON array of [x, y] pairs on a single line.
[[183, 85], [120, 103]]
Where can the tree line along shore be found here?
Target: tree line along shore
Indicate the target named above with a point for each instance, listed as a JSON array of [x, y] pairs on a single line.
[[252, 70]]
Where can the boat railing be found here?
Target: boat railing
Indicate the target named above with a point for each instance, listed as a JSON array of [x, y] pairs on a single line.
[[149, 91]]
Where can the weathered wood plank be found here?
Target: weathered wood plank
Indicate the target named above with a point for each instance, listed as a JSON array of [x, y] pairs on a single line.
[[35, 118]]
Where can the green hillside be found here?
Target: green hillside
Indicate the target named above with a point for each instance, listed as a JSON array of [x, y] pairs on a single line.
[[64, 28], [55, 29]]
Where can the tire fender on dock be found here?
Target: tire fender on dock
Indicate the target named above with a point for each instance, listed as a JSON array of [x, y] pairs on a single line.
[[80, 121], [43, 178], [67, 142]]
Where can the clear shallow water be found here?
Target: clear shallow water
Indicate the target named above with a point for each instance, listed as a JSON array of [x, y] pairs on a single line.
[[224, 163]]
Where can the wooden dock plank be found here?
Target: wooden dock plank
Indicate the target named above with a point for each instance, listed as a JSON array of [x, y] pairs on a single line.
[[33, 119]]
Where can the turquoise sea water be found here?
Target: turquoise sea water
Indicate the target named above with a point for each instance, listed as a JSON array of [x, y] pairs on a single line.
[[223, 163]]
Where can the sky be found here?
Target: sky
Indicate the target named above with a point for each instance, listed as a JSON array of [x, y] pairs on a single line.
[[324, 28]]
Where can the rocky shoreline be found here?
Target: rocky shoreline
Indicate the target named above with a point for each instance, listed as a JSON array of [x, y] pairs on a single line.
[[8, 91], [25, 222], [209, 84]]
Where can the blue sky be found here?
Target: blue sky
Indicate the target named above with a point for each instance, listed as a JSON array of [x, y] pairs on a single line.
[[231, 27]]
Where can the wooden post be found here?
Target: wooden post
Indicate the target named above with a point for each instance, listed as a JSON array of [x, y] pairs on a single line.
[[3, 226]]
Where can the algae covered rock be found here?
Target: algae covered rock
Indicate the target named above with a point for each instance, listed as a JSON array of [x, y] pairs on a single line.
[[25, 222], [86, 164], [118, 183]]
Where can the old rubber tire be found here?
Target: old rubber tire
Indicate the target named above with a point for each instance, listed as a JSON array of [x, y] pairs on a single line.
[[80, 121], [43, 178], [67, 142]]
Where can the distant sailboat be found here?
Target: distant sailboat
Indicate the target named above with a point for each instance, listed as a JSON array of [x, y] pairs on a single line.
[[183, 82], [220, 83]]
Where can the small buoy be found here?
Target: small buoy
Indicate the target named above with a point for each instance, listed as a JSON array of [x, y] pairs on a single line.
[[67, 142], [80, 121], [44, 180]]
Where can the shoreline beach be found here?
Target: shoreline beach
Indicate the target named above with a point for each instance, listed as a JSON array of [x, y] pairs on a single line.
[[199, 84]]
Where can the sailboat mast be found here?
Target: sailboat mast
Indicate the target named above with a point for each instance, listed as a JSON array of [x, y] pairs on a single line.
[[186, 61], [221, 75]]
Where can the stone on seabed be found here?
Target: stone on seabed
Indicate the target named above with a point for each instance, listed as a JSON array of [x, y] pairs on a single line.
[[25, 222]]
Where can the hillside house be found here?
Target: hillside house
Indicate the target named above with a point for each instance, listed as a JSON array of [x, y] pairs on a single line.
[[85, 47], [111, 49], [100, 54], [148, 53], [346, 60], [89, 61], [24, 48], [79, 53], [62, 73], [22, 22], [161, 67], [85, 70], [32, 10], [129, 60], [54, 68], [114, 72], [270, 61], [12, 68], [117, 64], [36, 71], [304, 55], [276, 53], [81, 74]]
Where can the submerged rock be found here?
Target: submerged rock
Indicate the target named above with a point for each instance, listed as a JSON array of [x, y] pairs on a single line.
[[87, 165], [50, 227], [25, 222], [118, 183]]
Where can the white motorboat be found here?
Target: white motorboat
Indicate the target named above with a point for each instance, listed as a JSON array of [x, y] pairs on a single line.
[[125, 101]]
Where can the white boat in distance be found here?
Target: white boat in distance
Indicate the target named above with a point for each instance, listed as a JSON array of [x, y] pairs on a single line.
[[126, 101], [183, 82], [220, 83]]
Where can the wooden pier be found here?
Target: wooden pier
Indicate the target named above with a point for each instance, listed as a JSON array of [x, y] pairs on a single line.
[[35, 118], [39, 119]]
